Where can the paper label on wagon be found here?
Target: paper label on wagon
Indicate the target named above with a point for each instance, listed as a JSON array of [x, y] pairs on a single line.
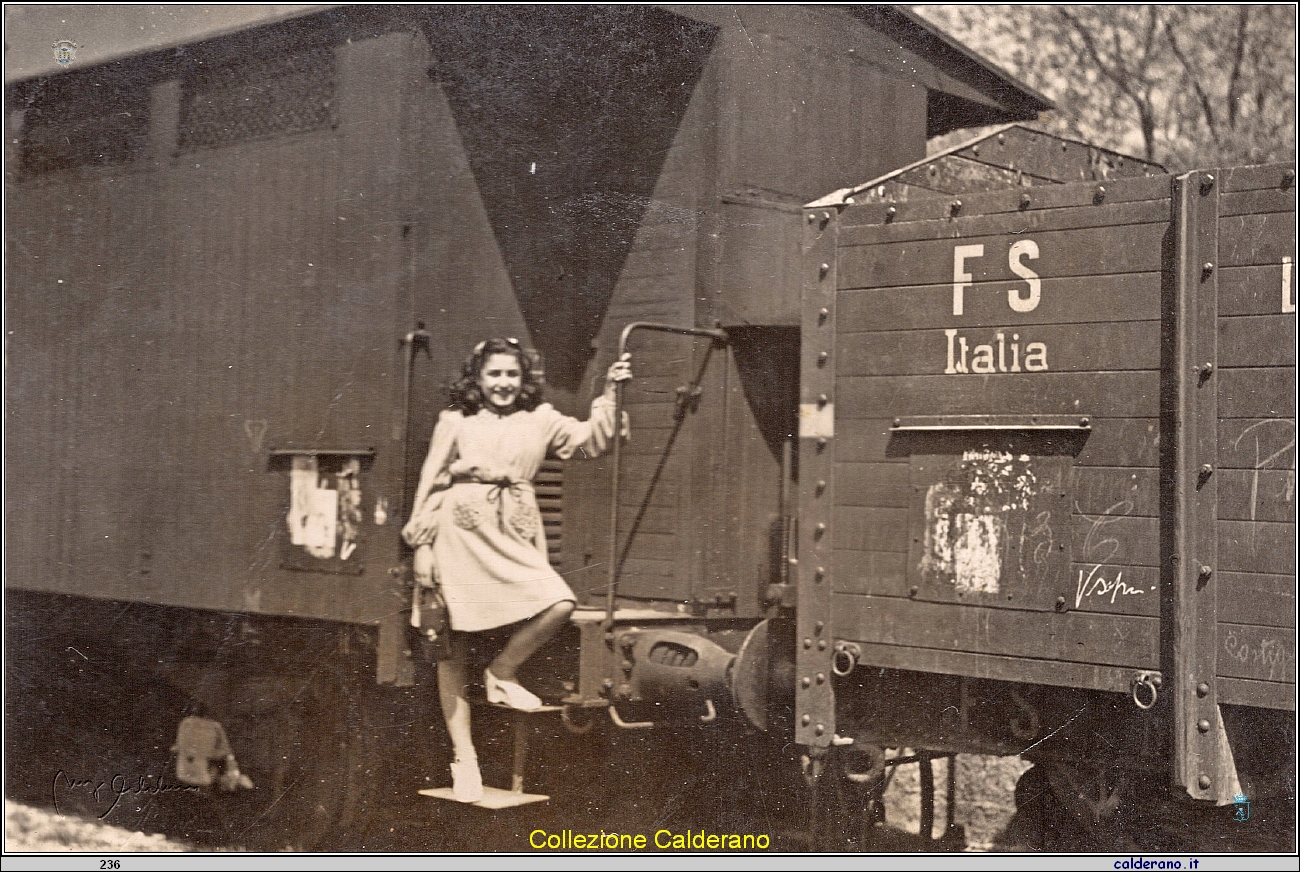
[[313, 510], [816, 421]]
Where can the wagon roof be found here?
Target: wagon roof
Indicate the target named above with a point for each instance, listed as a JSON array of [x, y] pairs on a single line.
[[106, 33], [109, 32], [1008, 155]]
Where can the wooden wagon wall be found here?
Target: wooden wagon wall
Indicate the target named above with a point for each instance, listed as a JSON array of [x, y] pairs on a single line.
[[1256, 436], [1078, 598], [180, 313]]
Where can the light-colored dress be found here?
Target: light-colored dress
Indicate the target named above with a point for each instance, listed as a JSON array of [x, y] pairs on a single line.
[[476, 504]]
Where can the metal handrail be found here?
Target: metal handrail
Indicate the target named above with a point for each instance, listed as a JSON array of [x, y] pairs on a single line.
[[718, 335]]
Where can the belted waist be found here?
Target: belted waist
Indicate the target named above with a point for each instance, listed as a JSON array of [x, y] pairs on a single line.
[[504, 482], [497, 490]]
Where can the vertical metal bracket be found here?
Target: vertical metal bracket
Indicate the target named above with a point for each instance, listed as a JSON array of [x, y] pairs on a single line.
[[814, 645], [1202, 761]]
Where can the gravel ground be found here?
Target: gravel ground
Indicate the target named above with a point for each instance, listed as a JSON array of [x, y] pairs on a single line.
[[33, 829]]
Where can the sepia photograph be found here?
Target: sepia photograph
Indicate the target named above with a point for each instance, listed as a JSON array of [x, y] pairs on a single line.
[[730, 430]]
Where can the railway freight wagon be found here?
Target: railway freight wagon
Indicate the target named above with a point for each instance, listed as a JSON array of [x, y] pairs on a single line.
[[240, 271], [1047, 490]]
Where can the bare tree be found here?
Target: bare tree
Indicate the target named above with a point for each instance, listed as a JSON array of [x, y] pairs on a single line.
[[1183, 85]]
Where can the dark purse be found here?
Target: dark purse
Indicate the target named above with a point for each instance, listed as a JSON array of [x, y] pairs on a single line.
[[431, 624]]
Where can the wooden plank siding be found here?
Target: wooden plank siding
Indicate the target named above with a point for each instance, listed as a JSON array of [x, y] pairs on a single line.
[[1101, 272], [208, 303], [1256, 448], [1098, 314]]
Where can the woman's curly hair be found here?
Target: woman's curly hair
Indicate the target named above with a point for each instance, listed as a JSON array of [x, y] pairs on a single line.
[[467, 396]]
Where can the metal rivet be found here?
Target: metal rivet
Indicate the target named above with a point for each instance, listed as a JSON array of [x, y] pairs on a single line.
[[1024, 201], [822, 399], [819, 626], [1060, 602], [890, 212], [821, 443], [823, 270], [955, 206], [811, 218], [821, 677], [807, 643], [912, 591], [1202, 690], [1002, 139], [819, 573], [1204, 782], [821, 486], [819, 729], [805, 682], [1207, 183], [1203, 725], [822, 315], [849, 201], [1206, 572], [819, 531], [1207, 470], [1288, 177], [821, 645], [1207, 268], [805, 720], [1099, 194], [975, 150], [822, 357], [1083, 422], [898, 422]]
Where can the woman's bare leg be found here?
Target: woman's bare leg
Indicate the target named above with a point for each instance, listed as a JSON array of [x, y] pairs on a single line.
[[527, 639], [455, 708]]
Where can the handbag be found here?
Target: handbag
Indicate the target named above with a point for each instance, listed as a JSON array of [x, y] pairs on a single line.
[[432, 624]]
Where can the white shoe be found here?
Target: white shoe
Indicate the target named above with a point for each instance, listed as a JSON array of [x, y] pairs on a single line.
[[466, 781], [509, 693]]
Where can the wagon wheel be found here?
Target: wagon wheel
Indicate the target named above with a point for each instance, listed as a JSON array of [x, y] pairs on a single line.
[[1084, 806], [320, 774]]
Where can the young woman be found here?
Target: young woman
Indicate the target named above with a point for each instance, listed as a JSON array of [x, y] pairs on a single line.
[[477, 532]]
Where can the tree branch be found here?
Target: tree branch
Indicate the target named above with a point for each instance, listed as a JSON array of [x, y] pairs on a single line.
[[1243, 18], [1121, 80], [1207, 107]]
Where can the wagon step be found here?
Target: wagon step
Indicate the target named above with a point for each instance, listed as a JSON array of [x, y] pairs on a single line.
[[496, 797]]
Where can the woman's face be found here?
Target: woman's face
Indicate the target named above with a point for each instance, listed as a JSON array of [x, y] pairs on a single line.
[[501, 380]]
